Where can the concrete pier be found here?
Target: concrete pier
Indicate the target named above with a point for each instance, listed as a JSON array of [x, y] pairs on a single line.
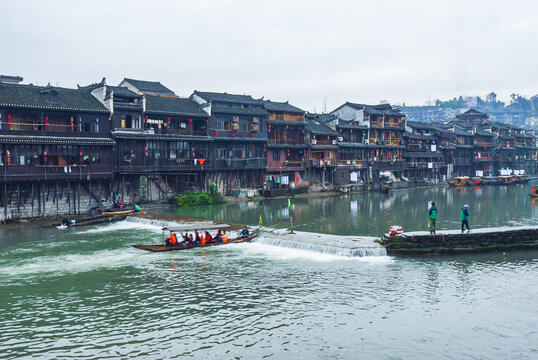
[[454, 242]]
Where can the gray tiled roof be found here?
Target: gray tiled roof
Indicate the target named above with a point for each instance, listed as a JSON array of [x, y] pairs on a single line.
[[320, 118], [153, 87], [31, 97], [238, 111], [121, 92], [317, 128], [281, 106], [173, 106], [419, 136], [230, 98], [419, 125], [484, 133]]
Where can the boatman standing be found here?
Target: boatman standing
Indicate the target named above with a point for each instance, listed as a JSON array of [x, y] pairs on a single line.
[[433, 217], [464, 216]]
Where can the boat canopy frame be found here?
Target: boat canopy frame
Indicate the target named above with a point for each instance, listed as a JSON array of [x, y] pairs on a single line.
[[188, 228]]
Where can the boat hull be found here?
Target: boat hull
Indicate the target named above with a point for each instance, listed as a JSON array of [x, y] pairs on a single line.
[[122, 212], [160, 248]]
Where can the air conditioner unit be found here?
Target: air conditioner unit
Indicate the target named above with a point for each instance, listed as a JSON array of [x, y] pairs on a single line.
[[183, 125], [328, 162], [314, 142], [334, 142], [365, 141], [340, 138], [353, 162], [348, 162]]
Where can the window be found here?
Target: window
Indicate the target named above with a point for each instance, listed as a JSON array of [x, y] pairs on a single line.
[[221, 153], [224, 125], [276, 155]]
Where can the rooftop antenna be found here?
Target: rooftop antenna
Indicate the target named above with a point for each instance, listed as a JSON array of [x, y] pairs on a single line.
[[325, 105]]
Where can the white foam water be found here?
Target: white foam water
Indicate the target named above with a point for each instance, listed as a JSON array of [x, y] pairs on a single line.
[[342, 246], [73, 263]]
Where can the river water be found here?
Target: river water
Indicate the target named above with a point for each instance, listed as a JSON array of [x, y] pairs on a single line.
[[86, 293]]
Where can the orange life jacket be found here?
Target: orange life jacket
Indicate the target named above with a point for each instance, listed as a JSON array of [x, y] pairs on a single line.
[[202, 239], [173, 239], [225, 238]]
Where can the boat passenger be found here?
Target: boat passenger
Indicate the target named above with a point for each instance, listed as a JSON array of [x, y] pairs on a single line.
[[244, 232], [136, 208], [191, 239], [173, 239], [202, 239], [225, 237], [218, 237], [208, 237]]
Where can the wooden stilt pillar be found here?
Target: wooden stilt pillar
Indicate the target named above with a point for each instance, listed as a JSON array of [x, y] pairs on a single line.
[[38, 201], [33, 193], [69, 197], [18, 201], [78, 196], [57, 198], [5, 202], [89, 195], [43, 196]]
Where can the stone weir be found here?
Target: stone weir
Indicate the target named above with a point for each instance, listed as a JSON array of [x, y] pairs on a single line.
[[454, 242], [348, 246]]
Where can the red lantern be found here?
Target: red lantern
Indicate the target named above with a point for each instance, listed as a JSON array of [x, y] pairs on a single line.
[[8, 154], [233, 134], [168, 119], [72, 122], [146, 117], [207, 121], [46, 121], [216, 133], [252, 134], [190, 121]]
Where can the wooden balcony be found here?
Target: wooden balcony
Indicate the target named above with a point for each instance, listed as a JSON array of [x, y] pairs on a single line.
[[237, 164], [55, 172], [483, 143], [389, 165], [353, 163], [286, 117]]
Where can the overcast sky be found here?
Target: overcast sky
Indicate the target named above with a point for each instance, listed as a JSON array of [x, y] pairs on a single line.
[[301, 51]]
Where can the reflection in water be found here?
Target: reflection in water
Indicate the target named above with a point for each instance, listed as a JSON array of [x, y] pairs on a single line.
[[373, 213]]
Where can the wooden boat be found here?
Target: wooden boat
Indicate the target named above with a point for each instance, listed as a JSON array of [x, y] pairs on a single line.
[[475, 181], [533, 193], [121, 212], [167, 232], [460, 181], [505, 180], [487, 180]]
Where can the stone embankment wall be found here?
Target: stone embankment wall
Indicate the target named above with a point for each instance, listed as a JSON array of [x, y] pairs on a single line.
[[453, 242]]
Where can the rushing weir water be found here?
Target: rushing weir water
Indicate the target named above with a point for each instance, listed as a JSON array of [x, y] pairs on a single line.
[[86, 293]]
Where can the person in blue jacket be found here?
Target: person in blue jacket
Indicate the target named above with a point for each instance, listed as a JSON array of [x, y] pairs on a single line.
[[433, 218], [464, 217]]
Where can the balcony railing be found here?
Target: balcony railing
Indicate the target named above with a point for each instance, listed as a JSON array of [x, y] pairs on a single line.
[[286, 117], [285, 141], [232, 164], [55, 172], [353, 163]]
